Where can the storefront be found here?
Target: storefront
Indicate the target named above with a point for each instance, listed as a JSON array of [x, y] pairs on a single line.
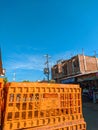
[[88, 80], [89, 85]]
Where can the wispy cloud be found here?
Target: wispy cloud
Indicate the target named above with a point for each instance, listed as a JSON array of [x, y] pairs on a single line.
[[31, 65], [33, 62], [27, 62]]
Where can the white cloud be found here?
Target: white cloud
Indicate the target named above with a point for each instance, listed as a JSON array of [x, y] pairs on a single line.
[[27, 62], [33, 62]]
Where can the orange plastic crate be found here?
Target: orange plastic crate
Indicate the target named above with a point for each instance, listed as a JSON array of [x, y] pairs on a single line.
[[43, 106]]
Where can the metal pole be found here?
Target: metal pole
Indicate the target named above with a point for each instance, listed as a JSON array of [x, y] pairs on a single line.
[[47, 66], [47, 63]]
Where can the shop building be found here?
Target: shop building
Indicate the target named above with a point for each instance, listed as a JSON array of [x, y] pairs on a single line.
[[78, 69]]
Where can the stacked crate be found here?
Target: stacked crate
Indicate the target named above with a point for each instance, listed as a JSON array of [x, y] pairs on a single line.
[[42, 106]]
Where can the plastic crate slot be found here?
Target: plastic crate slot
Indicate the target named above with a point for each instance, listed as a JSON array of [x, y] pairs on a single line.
[[11, 97], [24, 106], [30, 106], [35, 114], [23, 115], [11, 125], [16, 115], [18, 106], [9, 116], [30, 115], [18, 97]]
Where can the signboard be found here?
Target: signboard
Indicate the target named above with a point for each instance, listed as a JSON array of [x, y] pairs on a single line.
[[50, 101], [70, 80]]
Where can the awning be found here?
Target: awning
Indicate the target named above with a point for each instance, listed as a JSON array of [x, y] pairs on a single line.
[[81, 79]]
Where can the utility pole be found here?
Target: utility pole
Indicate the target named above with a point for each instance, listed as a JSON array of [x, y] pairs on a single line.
[[46, 69]]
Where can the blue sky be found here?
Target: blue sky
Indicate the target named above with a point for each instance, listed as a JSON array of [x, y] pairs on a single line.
[[31, 28]]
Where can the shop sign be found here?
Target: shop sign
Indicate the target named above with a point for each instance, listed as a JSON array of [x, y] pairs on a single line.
[[70, 80]]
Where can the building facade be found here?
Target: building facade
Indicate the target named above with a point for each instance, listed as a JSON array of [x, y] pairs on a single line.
[[77, 69]]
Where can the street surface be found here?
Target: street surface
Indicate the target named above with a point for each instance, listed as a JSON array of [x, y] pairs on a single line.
[[90, 112]]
